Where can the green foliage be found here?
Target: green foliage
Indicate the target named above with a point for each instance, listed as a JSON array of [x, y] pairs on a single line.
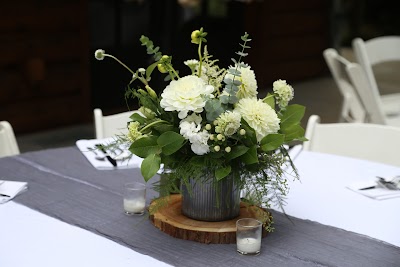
[[150, 166], [170, 142]]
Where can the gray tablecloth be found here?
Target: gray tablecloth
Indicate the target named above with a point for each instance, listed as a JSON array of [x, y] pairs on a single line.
[[63, 184]]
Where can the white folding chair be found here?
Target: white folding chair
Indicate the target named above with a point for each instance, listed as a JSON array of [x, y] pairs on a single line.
[[111, 125], [376, 51], [352, 108], [8, 143], [367, 141], [369, 95]]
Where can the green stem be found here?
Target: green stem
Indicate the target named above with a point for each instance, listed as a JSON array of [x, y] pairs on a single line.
[[200, 58], [151, 124], [120, 62]]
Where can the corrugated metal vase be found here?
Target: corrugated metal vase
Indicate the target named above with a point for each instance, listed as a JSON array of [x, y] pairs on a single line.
[[210, 201]]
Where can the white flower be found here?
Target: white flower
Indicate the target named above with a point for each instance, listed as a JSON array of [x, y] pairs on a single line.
[[190, 129], [248, 88], [228, 123], [99, 54], [190, 126], [199, 143], [191, 63], [142, 70], [186, 94], [284, 92], [259, 115]]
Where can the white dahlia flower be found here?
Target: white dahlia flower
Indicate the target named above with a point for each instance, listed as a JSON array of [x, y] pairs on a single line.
[[186, 94], [284, 92], [248, 88], [259, 115]]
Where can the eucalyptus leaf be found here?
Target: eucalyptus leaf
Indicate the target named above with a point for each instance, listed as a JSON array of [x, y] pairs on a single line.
[[150, 166]]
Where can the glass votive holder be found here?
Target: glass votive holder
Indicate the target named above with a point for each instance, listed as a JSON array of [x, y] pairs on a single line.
[[248, 236], [134, 198]]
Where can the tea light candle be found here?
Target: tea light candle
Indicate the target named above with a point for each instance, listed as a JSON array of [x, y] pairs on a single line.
[[249, 245], [134, 205]]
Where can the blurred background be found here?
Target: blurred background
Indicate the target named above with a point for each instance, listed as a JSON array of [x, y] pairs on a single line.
[[50, 81]]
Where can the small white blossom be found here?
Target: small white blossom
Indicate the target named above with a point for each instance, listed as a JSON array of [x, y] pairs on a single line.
[[191, 62], [199, 143], [142, 70]]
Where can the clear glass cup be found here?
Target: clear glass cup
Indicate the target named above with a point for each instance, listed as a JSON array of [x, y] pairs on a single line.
[[248, 236], [134, 198]]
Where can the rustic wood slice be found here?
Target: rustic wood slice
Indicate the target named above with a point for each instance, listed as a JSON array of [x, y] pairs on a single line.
[[166, 215]]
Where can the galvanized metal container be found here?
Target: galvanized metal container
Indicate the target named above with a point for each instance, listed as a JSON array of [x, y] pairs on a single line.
[[208, 200]]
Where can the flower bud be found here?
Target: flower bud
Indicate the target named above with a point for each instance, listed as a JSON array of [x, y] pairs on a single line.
[[228, 149], [195, 36], [151, 92], [208, 126], [211, 137], [220, 137], [142, 92], [217, 148], [142, 70], [99, 54], [242, 132], [161, 68]]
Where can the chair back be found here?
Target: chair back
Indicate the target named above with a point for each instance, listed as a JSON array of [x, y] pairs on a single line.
[[111, 125], [379, 143], [375, 51], [368, 94], [8, 142], [352, 107]]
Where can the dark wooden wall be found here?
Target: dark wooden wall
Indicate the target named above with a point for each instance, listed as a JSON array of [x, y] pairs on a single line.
[[44, 70]]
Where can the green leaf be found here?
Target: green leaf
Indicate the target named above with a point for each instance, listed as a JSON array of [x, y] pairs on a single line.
[[150, 166], [170, 142], [294, 132], [270, 100], [292, 115], [237, 151], [250, 157], [137, 117], [222, 172], [272, 142], [150, 69], [249, 133], [145, 146]]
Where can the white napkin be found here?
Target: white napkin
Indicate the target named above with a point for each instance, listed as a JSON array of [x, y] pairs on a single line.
[[88, 149], [9, 189], [374, 191]]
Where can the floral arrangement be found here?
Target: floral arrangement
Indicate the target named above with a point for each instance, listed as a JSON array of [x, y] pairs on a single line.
[[212, 118]]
